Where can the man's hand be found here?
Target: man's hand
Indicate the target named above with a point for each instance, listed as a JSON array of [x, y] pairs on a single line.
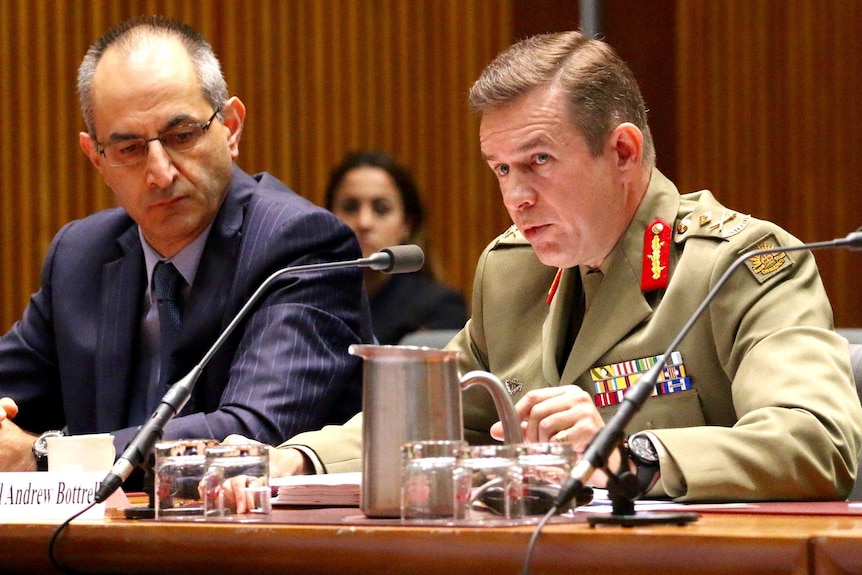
[[16, 452], [8, 408], [565, 414], [282, 462]]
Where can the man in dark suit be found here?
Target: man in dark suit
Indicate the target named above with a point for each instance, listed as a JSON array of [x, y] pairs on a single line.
[[92, 354]]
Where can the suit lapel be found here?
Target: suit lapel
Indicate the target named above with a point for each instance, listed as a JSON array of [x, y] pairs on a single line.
[[211, 286], [119, 325], [213, 283]]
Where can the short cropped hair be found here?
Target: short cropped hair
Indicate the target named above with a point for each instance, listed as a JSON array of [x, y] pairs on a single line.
[[601, 90], [135, 33]]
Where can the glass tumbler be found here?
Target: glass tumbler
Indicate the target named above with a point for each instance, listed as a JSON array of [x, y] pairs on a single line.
[[179, 470], [545, 466], [236, 480], [488, 482], [426, 480]]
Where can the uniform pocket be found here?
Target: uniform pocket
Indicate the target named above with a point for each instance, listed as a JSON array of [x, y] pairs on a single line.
[[671, 410]]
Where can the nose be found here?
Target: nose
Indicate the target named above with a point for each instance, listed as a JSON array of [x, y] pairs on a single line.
[[161, 171], [365, 218], [517, 192]]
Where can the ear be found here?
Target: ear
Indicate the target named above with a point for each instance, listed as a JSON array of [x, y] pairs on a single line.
[[627, 142], [91, 149], [233, 117]]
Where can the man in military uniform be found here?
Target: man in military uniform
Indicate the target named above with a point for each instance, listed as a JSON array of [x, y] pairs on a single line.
[[605, 263]]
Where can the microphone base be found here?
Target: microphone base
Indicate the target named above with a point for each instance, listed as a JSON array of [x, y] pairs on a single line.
[[647, 518], [147, 474], [624, 490], [139, 513]]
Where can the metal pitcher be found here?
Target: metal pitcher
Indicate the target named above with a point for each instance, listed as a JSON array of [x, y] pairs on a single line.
[[413, 394]]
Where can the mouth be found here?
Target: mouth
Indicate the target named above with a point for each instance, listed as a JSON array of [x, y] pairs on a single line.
[[168, 202], [534, 231]]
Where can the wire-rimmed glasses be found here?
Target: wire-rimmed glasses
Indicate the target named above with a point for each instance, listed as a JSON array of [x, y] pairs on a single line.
[[132, 151]]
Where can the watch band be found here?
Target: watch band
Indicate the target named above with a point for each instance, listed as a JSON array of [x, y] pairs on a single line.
[[643, 454], [40, 448]]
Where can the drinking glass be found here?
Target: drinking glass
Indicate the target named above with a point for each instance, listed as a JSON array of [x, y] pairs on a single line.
[[426, 479], [236, 480], [179, 469], [488, 483]]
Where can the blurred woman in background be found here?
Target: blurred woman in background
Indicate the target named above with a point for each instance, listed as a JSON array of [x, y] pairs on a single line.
[[379, 200]]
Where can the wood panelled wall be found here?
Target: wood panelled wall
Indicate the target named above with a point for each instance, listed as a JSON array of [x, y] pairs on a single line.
[[769, 116], [761, 107], [319, 78]]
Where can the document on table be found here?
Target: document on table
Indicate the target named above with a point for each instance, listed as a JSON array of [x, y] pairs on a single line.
[[327, 489], [601, 503]]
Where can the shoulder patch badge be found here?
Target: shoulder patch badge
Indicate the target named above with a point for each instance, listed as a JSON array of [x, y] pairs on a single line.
[[762, 267]]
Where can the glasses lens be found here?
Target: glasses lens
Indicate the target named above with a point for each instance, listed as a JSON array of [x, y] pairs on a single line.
[[182, 138], [126, 152]]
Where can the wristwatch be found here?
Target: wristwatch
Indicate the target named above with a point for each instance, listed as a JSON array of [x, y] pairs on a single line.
[[40, 449], [645, 457]]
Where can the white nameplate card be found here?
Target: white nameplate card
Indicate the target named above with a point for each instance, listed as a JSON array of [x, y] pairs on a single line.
[[49, 496]]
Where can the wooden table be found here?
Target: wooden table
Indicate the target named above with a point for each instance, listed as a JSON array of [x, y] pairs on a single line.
[[837, 552], [323, 541]]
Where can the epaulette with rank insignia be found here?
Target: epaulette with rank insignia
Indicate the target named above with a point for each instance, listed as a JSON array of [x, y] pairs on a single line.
[[710, 222], [511, 236]]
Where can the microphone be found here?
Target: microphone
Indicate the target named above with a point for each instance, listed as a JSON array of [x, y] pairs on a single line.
[[608, 437], [392, 260], [398, 259]]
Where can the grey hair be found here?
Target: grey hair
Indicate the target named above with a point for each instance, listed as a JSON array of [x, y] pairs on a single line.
[[134, 33], [601, 90]]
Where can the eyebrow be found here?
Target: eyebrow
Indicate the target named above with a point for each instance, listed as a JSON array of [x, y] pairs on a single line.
[[532, 144], [527, 146]]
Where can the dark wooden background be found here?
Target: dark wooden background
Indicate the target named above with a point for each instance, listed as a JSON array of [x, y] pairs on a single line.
[[756, 100]]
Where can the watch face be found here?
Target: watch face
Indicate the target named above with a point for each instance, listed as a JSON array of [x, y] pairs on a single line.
[[40, 446], [642, 447]]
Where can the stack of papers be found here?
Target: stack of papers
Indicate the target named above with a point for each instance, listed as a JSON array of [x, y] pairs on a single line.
[[330, 490]]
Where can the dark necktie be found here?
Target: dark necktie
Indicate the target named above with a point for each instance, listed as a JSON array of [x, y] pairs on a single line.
[[167, 287], [589, 286]]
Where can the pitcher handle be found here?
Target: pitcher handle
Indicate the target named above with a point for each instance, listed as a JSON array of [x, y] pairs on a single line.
[[505, 410]]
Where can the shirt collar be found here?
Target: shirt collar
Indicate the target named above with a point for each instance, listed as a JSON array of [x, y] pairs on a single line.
[[186, 260]]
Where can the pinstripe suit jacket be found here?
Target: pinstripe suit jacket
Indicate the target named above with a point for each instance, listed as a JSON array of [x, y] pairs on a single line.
[[70, 361]]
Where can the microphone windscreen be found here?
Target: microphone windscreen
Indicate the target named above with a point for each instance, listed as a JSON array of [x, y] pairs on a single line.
[[404, 259]]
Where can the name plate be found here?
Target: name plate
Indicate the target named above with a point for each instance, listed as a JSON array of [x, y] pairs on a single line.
[[49, 496]]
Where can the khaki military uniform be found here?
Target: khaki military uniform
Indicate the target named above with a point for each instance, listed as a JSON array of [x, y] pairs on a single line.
[[772, 412]]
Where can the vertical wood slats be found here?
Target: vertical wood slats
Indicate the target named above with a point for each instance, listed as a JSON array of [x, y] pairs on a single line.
[[768, 116], [767, 96], [319, 79]]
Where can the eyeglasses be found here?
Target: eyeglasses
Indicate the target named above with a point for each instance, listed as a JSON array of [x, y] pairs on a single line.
[[177, 139]]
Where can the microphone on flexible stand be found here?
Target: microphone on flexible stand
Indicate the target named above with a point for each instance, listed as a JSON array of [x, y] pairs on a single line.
[[611, 435], [392, 260]]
